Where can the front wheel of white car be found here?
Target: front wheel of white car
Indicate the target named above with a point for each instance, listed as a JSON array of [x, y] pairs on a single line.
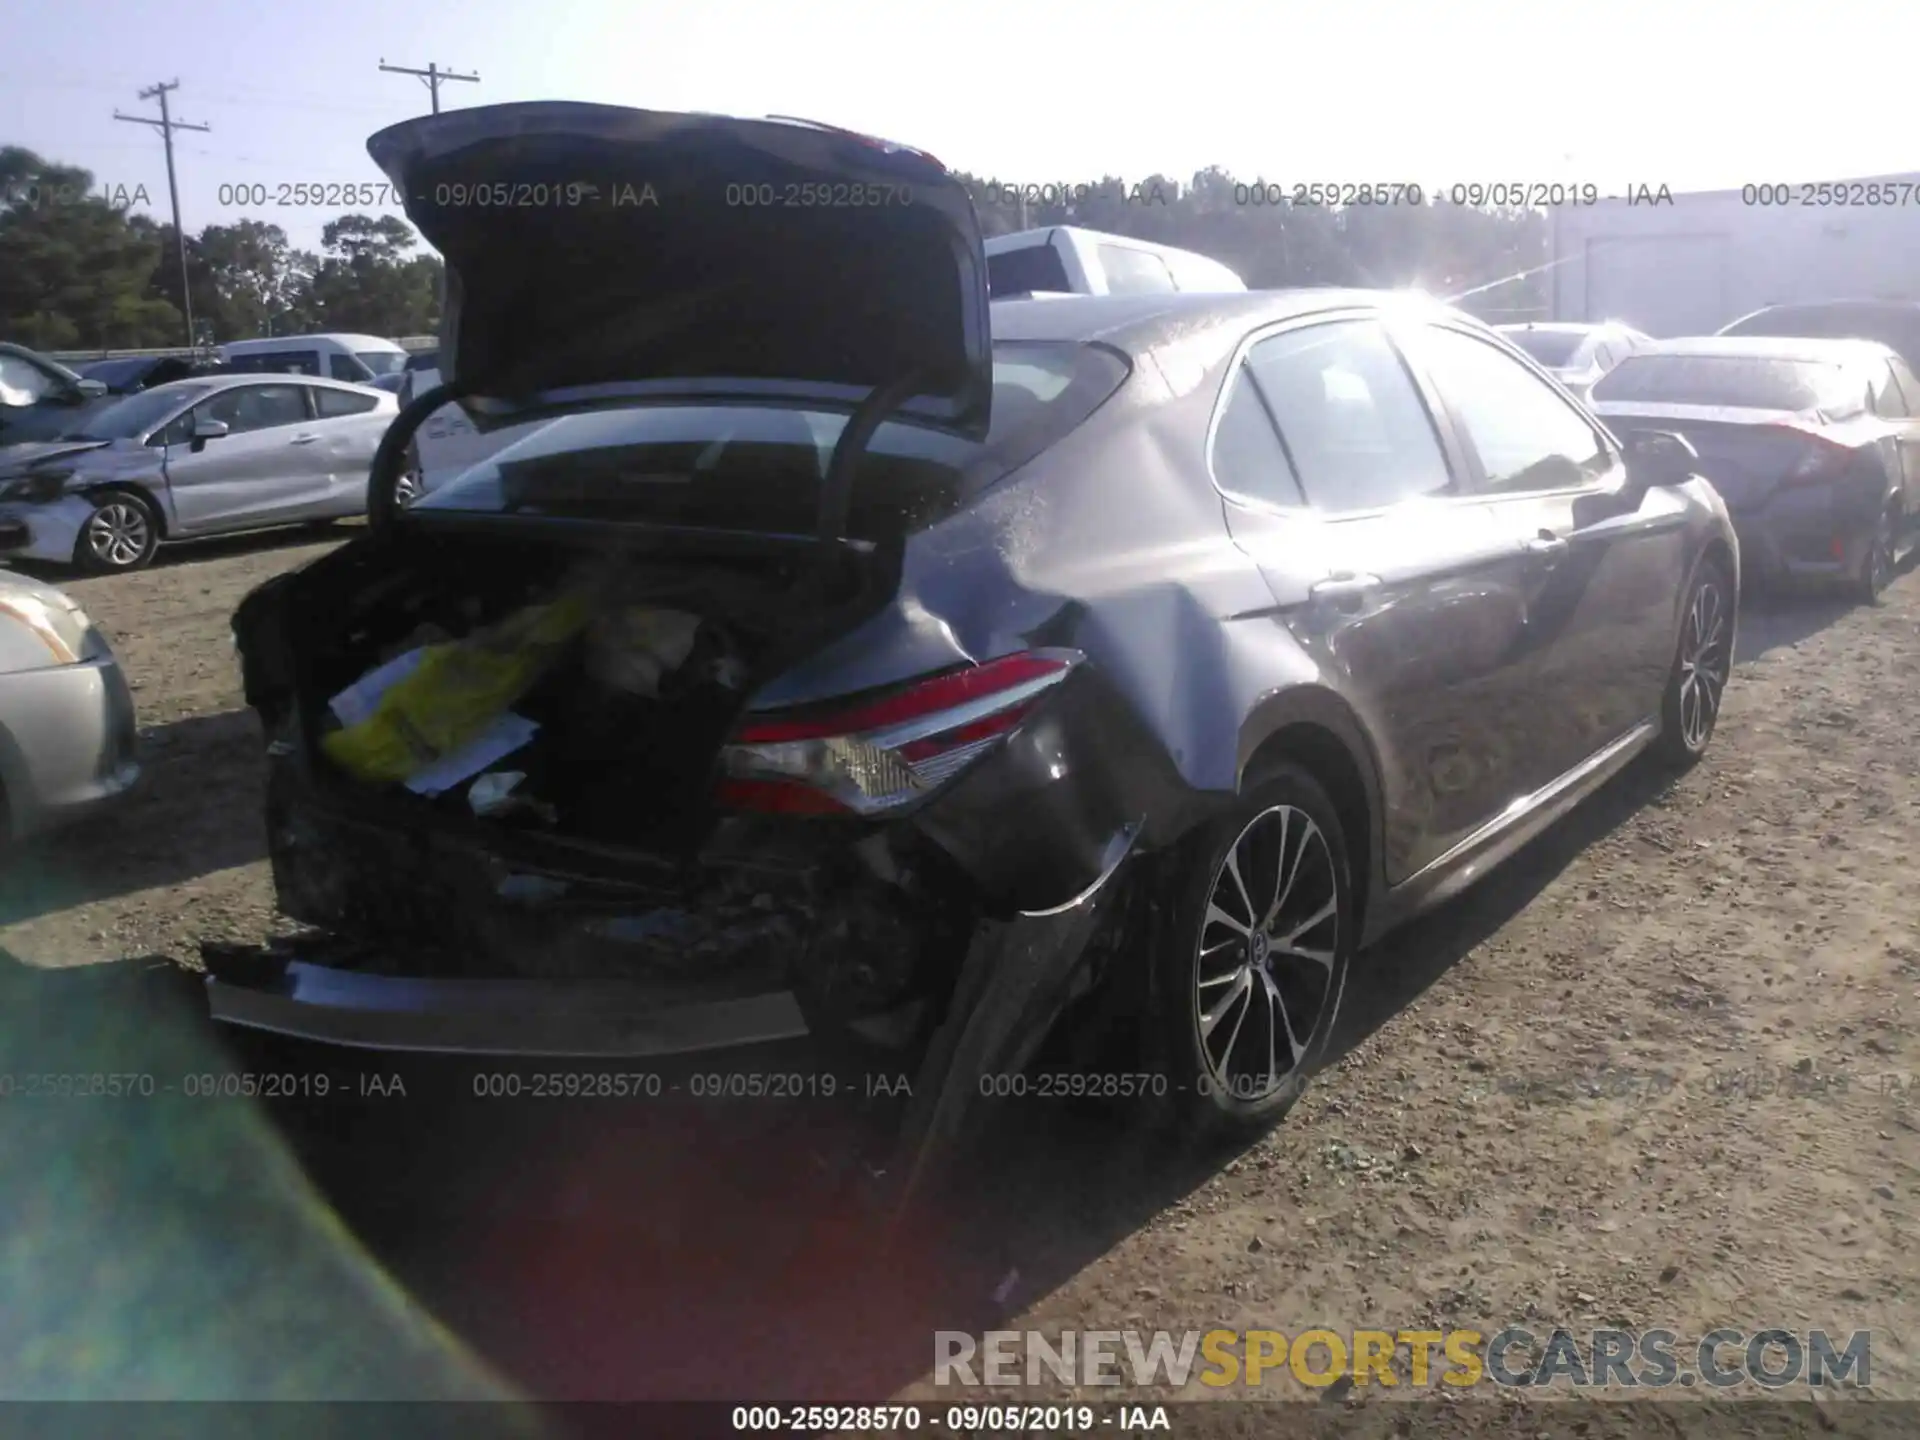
[[121, 534]]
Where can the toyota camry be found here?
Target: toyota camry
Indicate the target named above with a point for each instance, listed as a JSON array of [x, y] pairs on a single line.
[[860, 664]]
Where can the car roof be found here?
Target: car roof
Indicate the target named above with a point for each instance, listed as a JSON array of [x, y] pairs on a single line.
[[1837, 307], [1149, 322], [1560, 327], [342, 337], [257, 377], [1774, 347]]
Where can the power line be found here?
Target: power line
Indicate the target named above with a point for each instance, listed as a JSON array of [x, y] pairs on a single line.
[[166, 125], [433, 75]]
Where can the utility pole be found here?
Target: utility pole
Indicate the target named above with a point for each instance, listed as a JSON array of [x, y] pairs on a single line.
[[433, 75], [166, 125]]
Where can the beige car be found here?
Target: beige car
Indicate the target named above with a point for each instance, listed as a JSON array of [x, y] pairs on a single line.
[[67, 730]]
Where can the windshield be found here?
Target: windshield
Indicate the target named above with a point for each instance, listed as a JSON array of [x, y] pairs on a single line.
[[1744, 381], [133, 417], [1552, 348], [701, 464], [382, 362], [116, 373]]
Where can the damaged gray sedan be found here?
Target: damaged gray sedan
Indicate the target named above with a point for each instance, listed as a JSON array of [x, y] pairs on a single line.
[[859, 663]]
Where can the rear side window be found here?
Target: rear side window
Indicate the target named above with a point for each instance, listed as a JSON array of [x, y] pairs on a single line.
[[1353, 424], [1741, 381], [1885, 392], [1908, 387], [1134, 272], [257, 407], [1248, 458], [278, 362], [331, 403], [1527, 437], [1029, 268]]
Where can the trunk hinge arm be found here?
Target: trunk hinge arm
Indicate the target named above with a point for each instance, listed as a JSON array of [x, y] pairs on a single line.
[[836, 491], [383, 476]]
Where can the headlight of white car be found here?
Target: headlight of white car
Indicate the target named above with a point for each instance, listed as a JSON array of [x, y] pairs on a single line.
[[67, 633]]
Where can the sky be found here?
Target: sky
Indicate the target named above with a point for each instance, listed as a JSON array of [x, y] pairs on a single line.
[[1706, 95]]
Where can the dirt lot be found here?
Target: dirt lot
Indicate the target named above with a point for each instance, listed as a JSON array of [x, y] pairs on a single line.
[[1655, 1074]]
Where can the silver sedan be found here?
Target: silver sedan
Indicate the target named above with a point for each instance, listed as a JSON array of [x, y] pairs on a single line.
[[197, 457], [67, 732]]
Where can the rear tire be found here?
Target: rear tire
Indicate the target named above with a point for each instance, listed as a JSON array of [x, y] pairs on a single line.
[[1877, 566], [1702, 661], [1251, 958], [121, 534]]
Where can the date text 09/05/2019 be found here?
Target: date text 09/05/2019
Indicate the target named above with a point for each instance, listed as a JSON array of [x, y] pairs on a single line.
[[202, 1085], [959, 1419]]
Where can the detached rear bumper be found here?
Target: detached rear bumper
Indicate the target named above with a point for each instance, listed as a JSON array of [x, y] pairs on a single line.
[[581, 1019]]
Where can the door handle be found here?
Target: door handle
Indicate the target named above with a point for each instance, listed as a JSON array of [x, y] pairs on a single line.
[[1546, 546], [303, 439], [1344, 588]]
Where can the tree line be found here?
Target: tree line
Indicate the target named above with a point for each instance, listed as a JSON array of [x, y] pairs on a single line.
[[81, 270]]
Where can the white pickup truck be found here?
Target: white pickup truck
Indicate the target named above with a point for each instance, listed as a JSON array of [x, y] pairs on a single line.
[[1066, 260], [1054, 260]]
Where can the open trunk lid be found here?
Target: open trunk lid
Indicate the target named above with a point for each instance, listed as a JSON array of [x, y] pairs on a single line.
[[597, 254]]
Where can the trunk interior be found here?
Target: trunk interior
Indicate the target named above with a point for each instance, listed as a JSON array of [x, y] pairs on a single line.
[[609, 859], [631, 709]]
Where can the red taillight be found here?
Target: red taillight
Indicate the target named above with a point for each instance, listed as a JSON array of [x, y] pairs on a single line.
[[875, 755]]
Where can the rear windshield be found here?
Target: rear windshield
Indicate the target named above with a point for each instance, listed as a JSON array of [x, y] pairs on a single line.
[[115, 373], [277, 362], [1549, 347], [1027, 269], [1750, 382], [761, 468]]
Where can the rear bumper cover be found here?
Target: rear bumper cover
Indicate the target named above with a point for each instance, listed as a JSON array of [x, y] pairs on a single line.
[[1017, 976], [451, 1015], [1793, 539]]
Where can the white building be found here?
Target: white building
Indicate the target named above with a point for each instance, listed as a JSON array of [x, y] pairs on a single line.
[[1688, 264]]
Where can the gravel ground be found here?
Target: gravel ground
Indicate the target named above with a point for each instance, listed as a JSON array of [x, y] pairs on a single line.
[[1655, 1073]]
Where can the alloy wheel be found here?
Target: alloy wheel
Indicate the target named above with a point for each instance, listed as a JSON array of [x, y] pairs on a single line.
[[1879, 564], [1264, 980], [117, 534], [1704, 663]]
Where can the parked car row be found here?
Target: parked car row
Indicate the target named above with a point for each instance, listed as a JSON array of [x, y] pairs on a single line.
[[1805, 417]]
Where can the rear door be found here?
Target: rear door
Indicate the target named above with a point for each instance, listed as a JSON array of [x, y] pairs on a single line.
[[1342, 487], [349, 424], [267, 469], [1602, 575]]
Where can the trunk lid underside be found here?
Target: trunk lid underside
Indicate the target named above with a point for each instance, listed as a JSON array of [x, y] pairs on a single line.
[[594, 251]]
